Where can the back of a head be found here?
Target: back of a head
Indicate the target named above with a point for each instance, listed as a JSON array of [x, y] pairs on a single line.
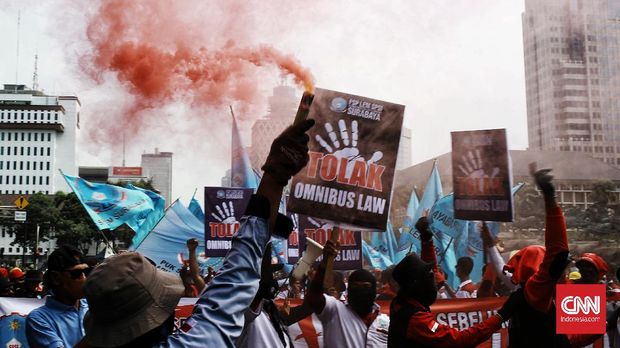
[[466, 264]]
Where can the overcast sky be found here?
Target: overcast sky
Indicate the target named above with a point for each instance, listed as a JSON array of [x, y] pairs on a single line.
[[455, 64]]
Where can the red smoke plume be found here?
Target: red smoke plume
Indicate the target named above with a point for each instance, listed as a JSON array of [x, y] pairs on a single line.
[[152, 52]]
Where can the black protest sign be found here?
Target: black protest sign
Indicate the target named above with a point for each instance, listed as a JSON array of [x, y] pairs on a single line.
[[481, 175], [224, 207], [353, 150], [350, 255]]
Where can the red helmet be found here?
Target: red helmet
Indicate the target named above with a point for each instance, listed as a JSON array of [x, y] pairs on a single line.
[[597, 261]]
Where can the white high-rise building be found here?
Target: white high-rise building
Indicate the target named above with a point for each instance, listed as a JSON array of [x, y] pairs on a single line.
[[37, 138], [404, 150], [572, 76], [282, 108], [158, 167]]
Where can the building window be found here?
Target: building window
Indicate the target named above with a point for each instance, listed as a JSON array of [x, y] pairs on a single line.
[[40, 180], [20, 180], [15, 165], [27, 165], [48, 151], [14, 180], [29, 136], [1, 150], [47, 180], [27, 181], [23, 137], [9, 135], [35, 149], [15, 150], [8, 150], [41, 165], [28, 151], [49, 136], [36, 136], [41, 151], [56, 116], [48, 166], [21, 151], [2, 136]]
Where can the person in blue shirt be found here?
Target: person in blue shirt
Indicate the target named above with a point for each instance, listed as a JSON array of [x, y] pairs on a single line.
[[58, 323], [132, 303]]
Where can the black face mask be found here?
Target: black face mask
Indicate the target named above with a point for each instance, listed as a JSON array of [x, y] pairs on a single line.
[[362, 300]]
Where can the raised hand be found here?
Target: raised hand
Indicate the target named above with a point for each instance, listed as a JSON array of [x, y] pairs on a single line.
[[424, 228], [343, 144], [225, 213]]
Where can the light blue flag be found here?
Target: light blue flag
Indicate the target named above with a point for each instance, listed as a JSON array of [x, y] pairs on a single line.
[[375, 258], [241, 173], [433, 191], [463, 235], [111, 206], [405, 245], [441, 217], [166, 244], [143, 227], [196, 209]]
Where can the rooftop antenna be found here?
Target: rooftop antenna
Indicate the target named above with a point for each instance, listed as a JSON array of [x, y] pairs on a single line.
[[35, 75], [19, 16]]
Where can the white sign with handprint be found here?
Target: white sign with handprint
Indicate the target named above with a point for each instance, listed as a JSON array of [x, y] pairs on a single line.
[[224, 207], [481, 175], [353, 151]]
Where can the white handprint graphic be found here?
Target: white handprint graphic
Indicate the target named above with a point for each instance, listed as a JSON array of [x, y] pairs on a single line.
[[348, 148], [225, 213], [472, 167]]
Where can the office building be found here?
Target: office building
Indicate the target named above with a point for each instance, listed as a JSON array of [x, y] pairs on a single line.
[[157, 167], [572, 76]]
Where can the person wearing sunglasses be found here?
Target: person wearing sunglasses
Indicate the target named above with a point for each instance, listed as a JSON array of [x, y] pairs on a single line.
[[59, 323]]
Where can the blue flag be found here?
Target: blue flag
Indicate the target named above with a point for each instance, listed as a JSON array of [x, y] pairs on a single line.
[[433, 191], [111, 206], [196, 209], [241, 173], [385, 242], [375, 258], [166, 244]]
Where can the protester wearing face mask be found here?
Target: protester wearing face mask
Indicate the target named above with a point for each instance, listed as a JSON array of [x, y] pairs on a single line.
[[411, 322], [358, 323]]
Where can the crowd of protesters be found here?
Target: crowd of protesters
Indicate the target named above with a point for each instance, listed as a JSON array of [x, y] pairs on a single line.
[[125, 301]]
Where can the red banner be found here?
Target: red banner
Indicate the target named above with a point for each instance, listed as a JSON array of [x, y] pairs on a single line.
[[127, 171]]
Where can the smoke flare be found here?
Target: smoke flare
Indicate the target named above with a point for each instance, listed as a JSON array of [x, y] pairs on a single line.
[[159, 66]]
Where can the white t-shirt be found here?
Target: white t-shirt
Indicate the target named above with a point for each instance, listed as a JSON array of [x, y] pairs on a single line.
[[464, 293], [258, 331], [342, 327]]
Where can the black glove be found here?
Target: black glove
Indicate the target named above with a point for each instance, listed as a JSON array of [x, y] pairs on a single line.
[[423, 227], [514, 301], [289, 152], [543, 181]]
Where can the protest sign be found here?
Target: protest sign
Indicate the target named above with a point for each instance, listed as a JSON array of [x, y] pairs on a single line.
[[224, 207], [353, 150], [350, 255], [481, 175], [293, 250], [166, 244]]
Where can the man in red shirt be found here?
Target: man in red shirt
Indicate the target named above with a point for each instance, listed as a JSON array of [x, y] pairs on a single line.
[[411, 322]]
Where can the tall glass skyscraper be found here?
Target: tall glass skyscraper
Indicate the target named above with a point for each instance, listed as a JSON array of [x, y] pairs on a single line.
[[572, 76]]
